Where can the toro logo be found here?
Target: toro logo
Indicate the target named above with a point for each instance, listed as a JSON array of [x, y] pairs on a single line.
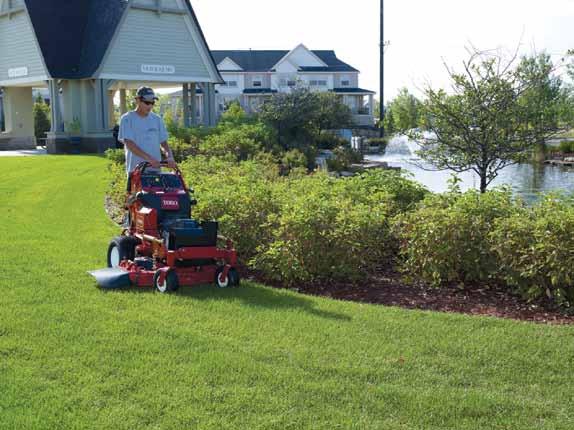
[[169, 203]]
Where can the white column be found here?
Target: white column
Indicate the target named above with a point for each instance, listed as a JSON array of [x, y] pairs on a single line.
[[123, 102], [55, 106], [205, 89], [371, 104], [193, 103], [185, 103]]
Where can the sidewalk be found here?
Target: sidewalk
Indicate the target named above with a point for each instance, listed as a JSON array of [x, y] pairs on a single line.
[[24, 152]]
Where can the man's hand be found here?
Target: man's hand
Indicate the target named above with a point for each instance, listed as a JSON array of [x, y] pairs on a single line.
[[154, 163], [171, 163]]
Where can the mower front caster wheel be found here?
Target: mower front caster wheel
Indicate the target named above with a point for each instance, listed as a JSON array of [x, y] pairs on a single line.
[[232, 279], [121, 248], [170, 281]]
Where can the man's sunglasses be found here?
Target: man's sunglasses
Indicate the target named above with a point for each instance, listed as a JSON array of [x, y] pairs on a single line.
[[148, 103]]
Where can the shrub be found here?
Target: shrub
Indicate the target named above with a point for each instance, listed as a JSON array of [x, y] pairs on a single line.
[[381, 142], [324, 232], [329, 141], [535, 248], [567, 146], [42, 118], [233, 142], [446, 238], [240, 196], [293, 159], [343, 158], [116, 156], [181, 149]]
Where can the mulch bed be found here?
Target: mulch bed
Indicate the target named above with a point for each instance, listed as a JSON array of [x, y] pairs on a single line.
[[388, 288]]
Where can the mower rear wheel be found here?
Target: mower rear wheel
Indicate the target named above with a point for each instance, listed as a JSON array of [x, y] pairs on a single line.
[[232, 279], [169, 284], [121, 248]]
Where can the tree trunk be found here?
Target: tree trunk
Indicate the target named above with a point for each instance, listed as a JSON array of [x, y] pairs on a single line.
[[483, 183]]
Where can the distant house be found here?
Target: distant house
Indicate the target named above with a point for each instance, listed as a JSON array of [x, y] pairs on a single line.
[[253, 76]]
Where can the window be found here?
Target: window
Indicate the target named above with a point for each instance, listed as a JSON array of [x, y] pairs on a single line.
[[257, 83], [291, 83], [318, 83], [345, 83], [231, 84]]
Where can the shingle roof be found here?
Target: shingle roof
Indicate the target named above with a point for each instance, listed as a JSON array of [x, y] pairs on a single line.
[[74, 35], [92, 24], [263, 61]]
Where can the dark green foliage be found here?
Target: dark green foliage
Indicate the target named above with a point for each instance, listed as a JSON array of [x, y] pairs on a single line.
[[403, 113], [446, 238], [116, 156], [343, 158], [567, 146], [535, 249], [42, 118], [381, 142], [329, 141]]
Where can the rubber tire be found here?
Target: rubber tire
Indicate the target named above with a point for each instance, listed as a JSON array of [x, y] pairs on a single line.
[[232, 278], [126, 247], [171, 282]]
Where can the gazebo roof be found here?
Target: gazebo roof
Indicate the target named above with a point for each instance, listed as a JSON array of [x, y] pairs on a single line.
[[92, 23]]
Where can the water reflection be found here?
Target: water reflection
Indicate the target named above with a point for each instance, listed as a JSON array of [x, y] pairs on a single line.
[[526, 180]]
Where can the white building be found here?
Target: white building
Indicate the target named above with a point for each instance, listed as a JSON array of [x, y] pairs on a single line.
[[252, 76]]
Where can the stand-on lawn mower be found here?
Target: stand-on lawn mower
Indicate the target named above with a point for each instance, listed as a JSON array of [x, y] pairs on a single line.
[[161, 245]]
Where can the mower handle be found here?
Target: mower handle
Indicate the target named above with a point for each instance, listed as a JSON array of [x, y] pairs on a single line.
[[145, 164]]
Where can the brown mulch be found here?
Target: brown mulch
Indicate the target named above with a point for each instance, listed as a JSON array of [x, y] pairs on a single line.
[[387, 288]]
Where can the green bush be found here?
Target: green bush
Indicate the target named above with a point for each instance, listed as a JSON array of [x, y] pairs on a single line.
[[567, 146], [293, 159], [381, 142], [238, 195], [116, 156], [181, 149], [235, 142], [343, 158], [446, 239], [329, 141], [535, 248], [326, 230], [42, 118]]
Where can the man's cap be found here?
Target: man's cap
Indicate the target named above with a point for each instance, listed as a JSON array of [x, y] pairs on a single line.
[[146, 94]]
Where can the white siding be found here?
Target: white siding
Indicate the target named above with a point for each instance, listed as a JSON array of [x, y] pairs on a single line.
[[18, 48], [158, 39]]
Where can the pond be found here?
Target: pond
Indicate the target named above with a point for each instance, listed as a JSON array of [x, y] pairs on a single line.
[[526, 180]]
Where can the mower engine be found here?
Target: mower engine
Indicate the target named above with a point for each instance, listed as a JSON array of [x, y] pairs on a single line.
[[161, 245]]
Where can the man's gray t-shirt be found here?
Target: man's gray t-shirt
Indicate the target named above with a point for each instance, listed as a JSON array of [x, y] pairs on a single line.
[[146, 131]]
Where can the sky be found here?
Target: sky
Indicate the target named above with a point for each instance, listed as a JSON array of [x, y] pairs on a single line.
[[423, 35]]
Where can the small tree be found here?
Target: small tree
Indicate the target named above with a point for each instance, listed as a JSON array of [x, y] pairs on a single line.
[[42, 118], [331, 113], [404, 112], [486, 124], [291, 115]]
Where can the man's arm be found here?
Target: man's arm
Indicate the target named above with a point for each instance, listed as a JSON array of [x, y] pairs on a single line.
[[134, 148], [168, 154]]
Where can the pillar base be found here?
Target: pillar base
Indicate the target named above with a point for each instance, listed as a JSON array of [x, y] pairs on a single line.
[[10, 143]]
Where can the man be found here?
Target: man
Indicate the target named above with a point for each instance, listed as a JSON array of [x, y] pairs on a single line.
[[143, 133]]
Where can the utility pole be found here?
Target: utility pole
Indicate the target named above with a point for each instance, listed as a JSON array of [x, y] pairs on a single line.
[[382, 74]]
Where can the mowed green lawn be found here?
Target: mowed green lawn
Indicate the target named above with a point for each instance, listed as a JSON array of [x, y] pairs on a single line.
[[73, 356]]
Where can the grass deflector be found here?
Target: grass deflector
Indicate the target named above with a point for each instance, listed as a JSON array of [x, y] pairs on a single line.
[[161, 245]]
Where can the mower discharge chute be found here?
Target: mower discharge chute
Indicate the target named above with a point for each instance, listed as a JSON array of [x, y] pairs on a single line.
[[163, 246]]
